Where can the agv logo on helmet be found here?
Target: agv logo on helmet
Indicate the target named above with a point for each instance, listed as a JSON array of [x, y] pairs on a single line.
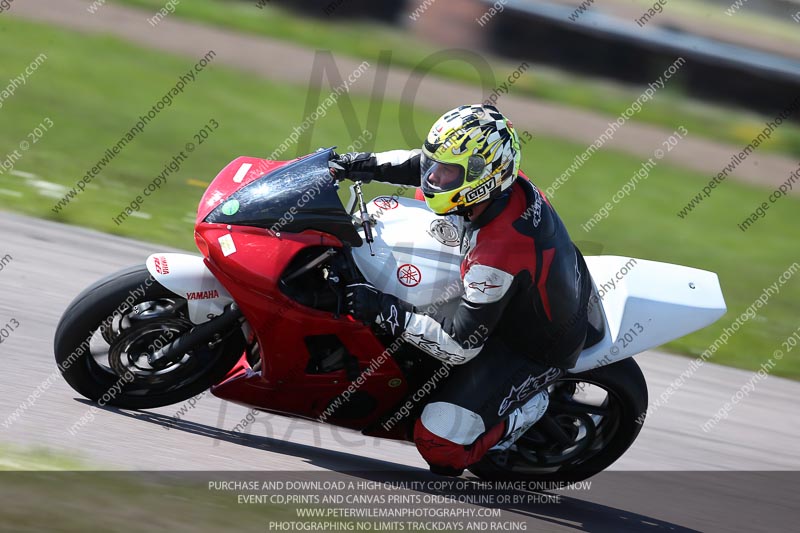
[[484, 189], [468, 146]]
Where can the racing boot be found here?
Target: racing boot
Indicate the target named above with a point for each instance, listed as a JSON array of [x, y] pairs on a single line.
[[521, 420]]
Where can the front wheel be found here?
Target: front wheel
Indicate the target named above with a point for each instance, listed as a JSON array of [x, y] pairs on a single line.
[[104, 335], [592, 419]]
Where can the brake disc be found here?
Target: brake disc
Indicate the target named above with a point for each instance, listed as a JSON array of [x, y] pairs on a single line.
[[128, 353], [142, 311]]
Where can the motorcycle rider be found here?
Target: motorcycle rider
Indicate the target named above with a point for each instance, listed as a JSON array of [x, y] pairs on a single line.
[[526, 287]]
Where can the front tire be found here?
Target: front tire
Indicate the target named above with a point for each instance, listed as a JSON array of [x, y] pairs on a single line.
[[599, 430], [103, 333]]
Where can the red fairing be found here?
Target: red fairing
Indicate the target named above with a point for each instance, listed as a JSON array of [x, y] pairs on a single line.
[[237, 174], [251, 274]]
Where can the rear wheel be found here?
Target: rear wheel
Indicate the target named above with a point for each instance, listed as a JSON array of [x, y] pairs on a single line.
[[104, 335], [592, 419]]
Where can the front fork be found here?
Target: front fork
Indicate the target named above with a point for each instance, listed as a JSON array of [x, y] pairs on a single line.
[[201, 334], [343, 272]]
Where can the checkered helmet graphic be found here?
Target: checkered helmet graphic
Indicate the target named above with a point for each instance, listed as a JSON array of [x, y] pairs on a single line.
[[471, 154]]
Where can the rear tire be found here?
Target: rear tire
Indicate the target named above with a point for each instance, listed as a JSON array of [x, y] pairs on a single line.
[[80, 341], [613, 434]]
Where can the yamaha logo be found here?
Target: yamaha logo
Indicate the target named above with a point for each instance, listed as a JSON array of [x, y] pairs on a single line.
[[161, 265], [202, 295], [480, 191]]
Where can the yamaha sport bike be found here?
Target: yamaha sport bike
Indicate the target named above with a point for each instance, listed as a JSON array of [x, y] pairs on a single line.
[[259, 319]]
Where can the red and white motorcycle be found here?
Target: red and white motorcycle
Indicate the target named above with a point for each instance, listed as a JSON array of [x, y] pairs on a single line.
[[258, 319]]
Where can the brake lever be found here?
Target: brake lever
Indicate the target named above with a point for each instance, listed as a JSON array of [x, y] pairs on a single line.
[[365, 221]]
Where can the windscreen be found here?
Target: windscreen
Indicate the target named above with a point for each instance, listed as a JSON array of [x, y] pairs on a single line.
[[299, 196]]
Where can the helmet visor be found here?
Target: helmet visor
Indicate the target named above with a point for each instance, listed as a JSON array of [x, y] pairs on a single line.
[[440, 177]]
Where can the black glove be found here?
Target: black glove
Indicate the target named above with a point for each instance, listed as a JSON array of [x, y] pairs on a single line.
[[367, 303], [352, 166]]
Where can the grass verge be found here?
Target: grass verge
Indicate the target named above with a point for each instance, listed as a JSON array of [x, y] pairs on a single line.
[[362, 39]]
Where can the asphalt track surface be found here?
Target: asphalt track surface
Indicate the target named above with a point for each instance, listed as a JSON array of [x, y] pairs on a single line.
[[669, 480]]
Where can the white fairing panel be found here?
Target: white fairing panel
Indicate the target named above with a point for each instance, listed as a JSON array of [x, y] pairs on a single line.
[[187, 276], [417, 254], [644, 303], [647, 304]]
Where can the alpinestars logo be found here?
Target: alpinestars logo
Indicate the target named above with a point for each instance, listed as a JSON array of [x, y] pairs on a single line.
[[482, 286], [519, 395], [391, 320], [202, 295], [480, 191], [537, 208], [432, 348]]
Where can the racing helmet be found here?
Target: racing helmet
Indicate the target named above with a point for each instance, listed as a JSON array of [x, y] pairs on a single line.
[[470, 156]]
